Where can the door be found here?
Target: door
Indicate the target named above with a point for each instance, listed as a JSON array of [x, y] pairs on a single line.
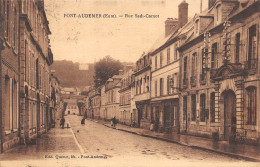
[[167, 118], [229, 115], [157, 118]]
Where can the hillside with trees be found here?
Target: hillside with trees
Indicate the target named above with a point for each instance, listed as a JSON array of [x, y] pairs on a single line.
[[70, 75]]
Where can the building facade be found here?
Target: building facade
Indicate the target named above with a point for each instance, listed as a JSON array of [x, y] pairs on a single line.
[[125, 98], [95, 103], [141, 114], [220, 73], [9, 74], [112, 87], [35, 60]]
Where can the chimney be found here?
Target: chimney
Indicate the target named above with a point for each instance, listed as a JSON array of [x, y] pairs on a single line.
[[183, 13], [170, 26], [211, 3]]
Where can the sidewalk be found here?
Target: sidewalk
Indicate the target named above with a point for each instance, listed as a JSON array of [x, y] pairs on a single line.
[[57, 141], [236, 150]]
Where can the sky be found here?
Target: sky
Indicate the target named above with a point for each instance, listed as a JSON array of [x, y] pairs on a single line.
[[86, 40]]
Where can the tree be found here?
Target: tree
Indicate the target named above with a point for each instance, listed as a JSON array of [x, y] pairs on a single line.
[[105, 69]]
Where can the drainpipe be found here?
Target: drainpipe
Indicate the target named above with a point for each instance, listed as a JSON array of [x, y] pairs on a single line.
[[1, 48], [1, 118], [19, 105]]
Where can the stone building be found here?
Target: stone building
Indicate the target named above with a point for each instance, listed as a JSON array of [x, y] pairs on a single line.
[[142, 76], [9, 74], [103, 107], [220, 72], [95, 103], [125, 115], [112, 86], [165, 73], [35, 60], [56, 103]]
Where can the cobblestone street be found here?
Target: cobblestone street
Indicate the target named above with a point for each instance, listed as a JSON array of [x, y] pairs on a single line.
[[114, 148]]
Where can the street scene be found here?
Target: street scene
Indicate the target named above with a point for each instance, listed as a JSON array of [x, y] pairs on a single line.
[[108, 144], [129, 83]]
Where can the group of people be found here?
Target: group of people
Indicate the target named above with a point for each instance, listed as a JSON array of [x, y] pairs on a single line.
[[62, 122]]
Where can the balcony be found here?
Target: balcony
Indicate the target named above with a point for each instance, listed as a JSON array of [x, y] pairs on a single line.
[[202, 79], [251, 66], [193, 81], [185, 83]]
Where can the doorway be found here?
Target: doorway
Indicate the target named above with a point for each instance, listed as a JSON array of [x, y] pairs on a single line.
[[229, 98]]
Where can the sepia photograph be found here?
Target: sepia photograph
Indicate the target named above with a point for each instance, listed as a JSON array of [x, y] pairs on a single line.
[[129, 83]]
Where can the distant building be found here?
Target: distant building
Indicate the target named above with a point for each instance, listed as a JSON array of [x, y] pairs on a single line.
[[142, 84], [112, 87], [125, 114]]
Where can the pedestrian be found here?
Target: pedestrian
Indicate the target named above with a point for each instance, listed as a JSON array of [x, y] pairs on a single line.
[[62, 122], [83, 121], [114, 122]]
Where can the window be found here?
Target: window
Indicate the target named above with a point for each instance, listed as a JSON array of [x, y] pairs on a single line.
[[212, 107], [7, 18], [14, 27], [161, 86], [251, 105], [155, 62], [193, 107], [168, 84], [214, 56], [168, 55], [194, 65], [25, 61], [202, 107], [237, 47], [252, 55], [184, 107], [6, 108], [185, 67], [155, 88], [175, 52], [161, 59]]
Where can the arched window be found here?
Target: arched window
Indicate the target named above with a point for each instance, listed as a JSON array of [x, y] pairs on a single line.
[[251, 105]]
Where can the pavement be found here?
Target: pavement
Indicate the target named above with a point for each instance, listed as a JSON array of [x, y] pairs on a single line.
[[235, 150]]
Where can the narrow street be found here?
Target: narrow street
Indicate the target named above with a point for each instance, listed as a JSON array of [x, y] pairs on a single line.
[[113, 147]]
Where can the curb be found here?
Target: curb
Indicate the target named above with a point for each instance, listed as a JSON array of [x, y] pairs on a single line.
[[232, 155]]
